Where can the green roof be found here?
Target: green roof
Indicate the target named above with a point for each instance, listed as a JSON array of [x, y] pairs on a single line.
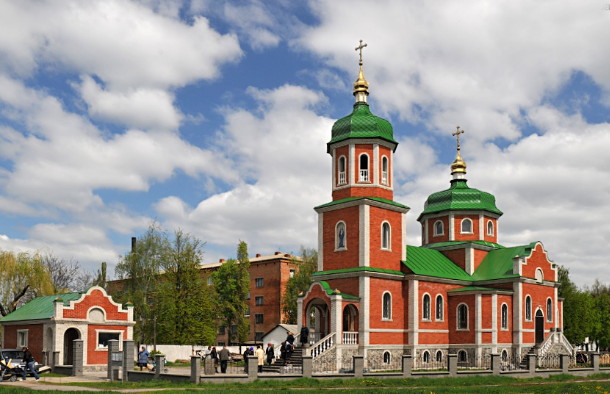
[[40, 308], [460, 197], [348, 199], [330, 291], [476, 288], [361, 123], [457, 243], [499, 262], [430, 262], [358, 269]]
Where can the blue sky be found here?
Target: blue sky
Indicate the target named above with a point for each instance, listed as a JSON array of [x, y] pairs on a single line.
[[212, 117]]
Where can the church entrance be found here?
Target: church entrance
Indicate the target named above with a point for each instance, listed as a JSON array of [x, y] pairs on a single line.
[[350, 325], [539, 327], [317, 319], [70, 335]]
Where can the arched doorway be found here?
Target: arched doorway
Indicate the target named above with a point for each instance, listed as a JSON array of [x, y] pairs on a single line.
[[70, 335], [317, 319], [350, 325], [539, 327]]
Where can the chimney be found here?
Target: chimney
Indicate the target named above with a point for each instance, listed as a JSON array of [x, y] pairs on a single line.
[[258, 255], [221, 261], [276, 253], [133, 244]]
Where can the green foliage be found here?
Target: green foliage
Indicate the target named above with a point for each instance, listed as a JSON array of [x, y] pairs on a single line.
[[22, 277], [299, 283], [231, 287], [100, 278], [182, 303]]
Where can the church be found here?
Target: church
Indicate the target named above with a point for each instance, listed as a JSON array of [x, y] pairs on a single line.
[[460, 292]]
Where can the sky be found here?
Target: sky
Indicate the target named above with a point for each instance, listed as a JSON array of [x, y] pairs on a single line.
[[213, 116]]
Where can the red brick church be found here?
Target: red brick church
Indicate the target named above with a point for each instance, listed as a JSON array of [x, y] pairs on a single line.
[[460, 292]]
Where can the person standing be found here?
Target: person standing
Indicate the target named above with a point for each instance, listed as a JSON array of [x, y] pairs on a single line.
[[143, 358], [214, 355], [270, 353], [224, 356], [260, 354], [30, 363]]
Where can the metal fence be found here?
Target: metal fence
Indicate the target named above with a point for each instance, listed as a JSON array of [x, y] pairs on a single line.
[[513, 362], [476, 362]]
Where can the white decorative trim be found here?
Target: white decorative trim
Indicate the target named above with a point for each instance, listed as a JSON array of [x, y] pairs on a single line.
[[457, 317], [365, 293], [383, 305], [389, 248], [451, 227], [477, 319], [469, 260], [321, 241], [364, 216], [334, 169], [376, 170], [481, 227], [517, 309], [403, 233], [429, 307], [413, 311], [425, 234], [352, 166]]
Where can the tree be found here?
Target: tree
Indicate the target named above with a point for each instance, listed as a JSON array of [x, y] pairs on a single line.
[[100, 278], [22, 277], [182, 304], [299, 283], [65, 276], [231, 286], [139, 270]]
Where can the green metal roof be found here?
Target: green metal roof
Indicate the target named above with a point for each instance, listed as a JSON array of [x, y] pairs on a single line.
[[460, 197], [476, 288], [457, 243], [430, 262], [358, 269], [348, 199], [361, 123], [498, 263], [330, 291], [40, 308]]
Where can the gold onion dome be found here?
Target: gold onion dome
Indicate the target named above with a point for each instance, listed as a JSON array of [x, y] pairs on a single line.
[[459, 165], [361, 86]]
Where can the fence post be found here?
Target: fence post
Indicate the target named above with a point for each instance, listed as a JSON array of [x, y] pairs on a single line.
[[196, 369], [452, 364], [595, 361], [358, 366], [495, 363], [564, 362], [159, 364], [307, 367], [407, 365], [531, 363], [252, 368], [113, 348], [127, 359], [77, 357], [55, 361]]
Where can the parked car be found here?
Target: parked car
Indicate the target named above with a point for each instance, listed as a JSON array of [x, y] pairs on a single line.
[[15, 356]]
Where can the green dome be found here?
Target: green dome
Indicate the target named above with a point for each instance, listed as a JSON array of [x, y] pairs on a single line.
[[460, 197], [361, 123]]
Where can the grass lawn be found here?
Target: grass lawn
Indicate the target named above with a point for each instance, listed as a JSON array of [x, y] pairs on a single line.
[[599, 383]]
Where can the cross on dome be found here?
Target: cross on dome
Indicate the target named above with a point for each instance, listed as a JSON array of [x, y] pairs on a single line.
[[361, 86], [359, 48]]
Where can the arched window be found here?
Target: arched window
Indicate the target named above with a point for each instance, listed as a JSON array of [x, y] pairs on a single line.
[[426, 307], [504, 355], [364, 168], [466, 226], [342, 177], [528, 308], [490, 228], [384, 170], [504, 318], [549, 309], [340, 234], [426, 357], [462, 356], [539, 275], [462, 314], [438, 228], [387, 306], [439, 307], [439, 356], [385, 236], [387, 357]]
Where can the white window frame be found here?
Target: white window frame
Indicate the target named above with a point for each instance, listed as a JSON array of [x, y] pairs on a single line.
[[549, 310], [385, 164], [389, 357], [457, 320], [503, 321], [539, 275], [435, 231], [386, 242], [462, 351], [425, 355], [423, 307], [462, 226], [383, 307], [436, 356], [344, 247], [342, 175], [364, 175], [22, 338], [442, 308], [490, 228], [104, 331], [528, 308]]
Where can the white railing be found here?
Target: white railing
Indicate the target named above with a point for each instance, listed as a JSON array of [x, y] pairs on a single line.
[[553, 338], [350, 337], [342, 178], [364, 175], [564, 341], [323, 345], [384, 177]]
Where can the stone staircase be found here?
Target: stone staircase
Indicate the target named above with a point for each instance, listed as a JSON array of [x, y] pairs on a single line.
[[279, 365]]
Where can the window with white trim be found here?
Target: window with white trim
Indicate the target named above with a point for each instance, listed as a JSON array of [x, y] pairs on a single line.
[[490, 228], [342, 176], [466, 227], [384, 171], [426, 357], [386, 306], [549, 309], [103, 336], [439, 356], [387, 357], [528, 308], [462, 317], [504, 355], [438, 228], [439, 307], [385, 236], [504, 317], [340, 236], [425, 315], [539, 275], [462, 356], [364, 168], [22, 338]]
